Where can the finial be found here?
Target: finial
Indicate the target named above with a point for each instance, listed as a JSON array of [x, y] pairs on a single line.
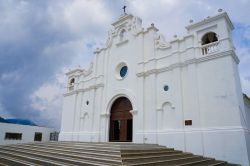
[[191, 21], [152, 24], [220, 10], [175, 36], [124, 9]]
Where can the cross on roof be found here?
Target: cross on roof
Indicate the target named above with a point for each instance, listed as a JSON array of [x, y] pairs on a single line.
[[124, 9]]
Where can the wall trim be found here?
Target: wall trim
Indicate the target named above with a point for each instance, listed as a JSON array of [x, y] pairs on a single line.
[[190, 61]]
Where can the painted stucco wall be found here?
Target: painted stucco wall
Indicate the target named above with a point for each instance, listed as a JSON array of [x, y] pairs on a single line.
[[204, 88], [28, 133]]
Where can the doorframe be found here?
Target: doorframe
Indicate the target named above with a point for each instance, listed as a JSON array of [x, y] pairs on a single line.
[[109, 129], [120, 93]]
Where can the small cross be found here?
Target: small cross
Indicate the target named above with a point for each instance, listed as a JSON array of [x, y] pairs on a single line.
[[124, 9]]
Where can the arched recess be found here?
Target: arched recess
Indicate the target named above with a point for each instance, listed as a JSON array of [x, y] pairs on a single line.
[[121, 121], [167, 116], [170, 119], [121, 93], [209, 37], [72, 81], [123, 34]]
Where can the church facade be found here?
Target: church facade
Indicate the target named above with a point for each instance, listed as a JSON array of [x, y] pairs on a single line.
[[184, 93]]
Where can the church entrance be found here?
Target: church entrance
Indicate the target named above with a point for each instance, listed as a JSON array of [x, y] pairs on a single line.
[[121, 121]]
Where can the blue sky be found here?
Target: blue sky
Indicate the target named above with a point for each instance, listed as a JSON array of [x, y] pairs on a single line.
[[42, 39]]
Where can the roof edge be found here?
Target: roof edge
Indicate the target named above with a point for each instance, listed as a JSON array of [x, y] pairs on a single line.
[[210, 19]]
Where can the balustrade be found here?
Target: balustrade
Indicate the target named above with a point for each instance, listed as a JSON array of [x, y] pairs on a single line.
[[210, 48]]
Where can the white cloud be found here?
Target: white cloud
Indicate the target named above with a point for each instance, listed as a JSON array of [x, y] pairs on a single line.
[[47, 99], [247, 33], [13, 22], [244, 54], [45, 95], [82, 19], [11, 76], [245, 85]]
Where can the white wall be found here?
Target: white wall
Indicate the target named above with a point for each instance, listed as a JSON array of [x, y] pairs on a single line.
[[28, 133], [202, 88]]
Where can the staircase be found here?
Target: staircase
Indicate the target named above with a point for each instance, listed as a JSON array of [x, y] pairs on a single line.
[[101, 154]]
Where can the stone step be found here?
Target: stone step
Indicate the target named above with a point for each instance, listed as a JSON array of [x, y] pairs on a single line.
[[98, 150], [101, 154], [156, 158], [117, 147], [169, 162], [211, 162], [13, 161], [67, 152], [30, 158], [108, 143], [81, 149], [66, 155], [204, 162], [63, 158], [135, 153], [151, 157], [104, 145]]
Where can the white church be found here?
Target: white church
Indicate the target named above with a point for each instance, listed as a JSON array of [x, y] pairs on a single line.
[[184, 93]]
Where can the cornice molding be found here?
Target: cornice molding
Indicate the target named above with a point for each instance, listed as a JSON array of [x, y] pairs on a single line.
[[92, 78], [69, 93], [211, 19], [74, 72], [83, 89], [123, 17], [190, 61], [122, 42]]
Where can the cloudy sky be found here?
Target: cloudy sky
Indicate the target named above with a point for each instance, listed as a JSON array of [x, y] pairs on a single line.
[[42, 39]]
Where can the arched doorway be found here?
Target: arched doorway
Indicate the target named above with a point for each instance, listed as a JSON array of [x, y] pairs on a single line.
[[121, 121]]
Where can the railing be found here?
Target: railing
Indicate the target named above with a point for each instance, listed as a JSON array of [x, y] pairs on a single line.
[[210, 48]]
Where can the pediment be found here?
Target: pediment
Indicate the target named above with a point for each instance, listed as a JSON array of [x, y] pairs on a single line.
[[126, 22]]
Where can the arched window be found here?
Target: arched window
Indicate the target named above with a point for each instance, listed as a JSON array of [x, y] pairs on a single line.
[[122, 34], [71, 84], [72, 81], [209, 43], [209, 38]]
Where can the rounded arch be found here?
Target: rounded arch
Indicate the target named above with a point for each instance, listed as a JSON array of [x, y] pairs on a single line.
[[161, 105], [167, 103], [117, 103], [72, 81], [122, 34], [121, 93], [209, 37]]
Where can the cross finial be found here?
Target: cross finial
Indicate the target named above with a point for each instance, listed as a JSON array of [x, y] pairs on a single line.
[[124, 9]]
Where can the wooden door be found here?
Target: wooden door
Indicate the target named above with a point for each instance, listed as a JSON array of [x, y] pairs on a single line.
[[121, 121]]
